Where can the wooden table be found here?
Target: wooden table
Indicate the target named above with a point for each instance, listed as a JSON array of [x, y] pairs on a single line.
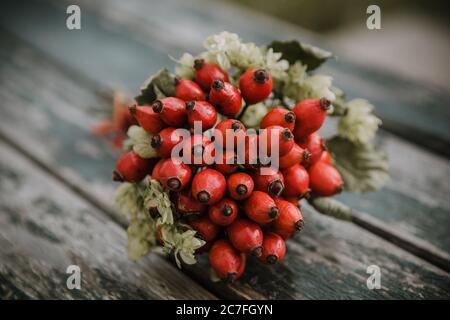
[[55, 176]]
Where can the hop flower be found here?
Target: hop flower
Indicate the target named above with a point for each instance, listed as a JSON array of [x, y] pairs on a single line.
[[358, 125], [156, 196], [254, 114], [141, 141], [127, 199], [185, 67], [141, 235]]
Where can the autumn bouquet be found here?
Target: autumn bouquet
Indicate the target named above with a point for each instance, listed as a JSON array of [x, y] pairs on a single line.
[[225, 150]]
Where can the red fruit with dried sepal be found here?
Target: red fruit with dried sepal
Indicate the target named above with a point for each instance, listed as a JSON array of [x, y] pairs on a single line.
[[186, 205], [232, 129], [261, 208], [228, 163], [315, 144], [171, 110], [295, 156], [206, 73], [325, 180], [130, 167], [289, 221], [240, 185], [165, 141], [226, 261], [188, 90], [224, 212], [174, 174], [271, 182], [276, 136], [202, 112], [200, 150], [255, 85], [206, 229], [225, 97], [246, 236], [148, 119], [208, 186], [274, 248], [296, 181], [279, 117], [310, 115]]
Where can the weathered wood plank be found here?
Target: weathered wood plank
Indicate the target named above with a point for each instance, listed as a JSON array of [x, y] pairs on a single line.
[[329, 261], [44, 228], [408, 192]]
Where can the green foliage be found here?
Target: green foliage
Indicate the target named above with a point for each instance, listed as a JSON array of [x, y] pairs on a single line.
[[140, 142], [158, 86], [362, 167]]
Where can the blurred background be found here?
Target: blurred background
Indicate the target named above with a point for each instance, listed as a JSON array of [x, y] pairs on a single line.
[[413, 40]]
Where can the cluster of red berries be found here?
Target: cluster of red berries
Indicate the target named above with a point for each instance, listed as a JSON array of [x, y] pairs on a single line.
[[235, 208]]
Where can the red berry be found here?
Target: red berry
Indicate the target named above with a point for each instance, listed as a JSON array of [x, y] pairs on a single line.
[[289, 221], [155, 171], [188, 90], [274, 248], [187, 205], [325, 180], [246, 236], [131, 167], [261, 208], [251, 152], [225, 97], [279, 117], [293, 157], [240, 185], [200, 148], [310, 115], [148, 119], [315, 144], [326, 157], [228, 165], [208, 186], [174, 174], [206, 73], [283, 138], [228, 128], [206, 229], [171, 110], [272, 182], [226, 261], [255, 85], [165, 141], [296, 181], [224, 212], [203, 112]]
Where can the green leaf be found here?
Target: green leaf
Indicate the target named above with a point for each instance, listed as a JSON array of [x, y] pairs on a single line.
[[362, 167], [307, 54], [141, 142], [158, 86], [331, 207]]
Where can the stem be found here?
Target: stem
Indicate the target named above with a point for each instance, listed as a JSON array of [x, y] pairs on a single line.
[[332, 208]]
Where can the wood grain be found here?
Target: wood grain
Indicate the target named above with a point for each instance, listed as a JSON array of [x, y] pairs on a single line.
[[139, 51], [328, 261]]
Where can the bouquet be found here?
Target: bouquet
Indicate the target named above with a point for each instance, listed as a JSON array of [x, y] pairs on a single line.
[[226, 149]]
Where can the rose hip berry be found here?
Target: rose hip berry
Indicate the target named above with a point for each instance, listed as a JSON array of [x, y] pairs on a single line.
[[283, 138], [188, 90], [325, 180], [290, 220], [186, 205], [171, 110], [203, 112], [165, 141], [148, 119], [208, 186], [200, 148], [296, 181], [226, 261], [174, 174], [274, 248], [315, 144], [229, 129], [326, 157], [225, 97], [293, 157], [261, 208], [206, 73], [130, 167], [155, 171], [310, 115], [271, 183], [255, 85], [240, 186], [206, 229], [228, 165], [246, 236], [279, 117], [224, 212]]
